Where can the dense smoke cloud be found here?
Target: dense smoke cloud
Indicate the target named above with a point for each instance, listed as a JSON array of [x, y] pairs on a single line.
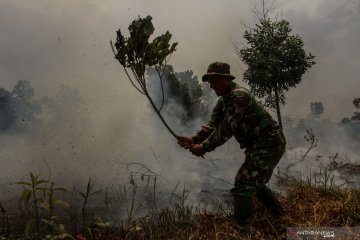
[[330, 30]]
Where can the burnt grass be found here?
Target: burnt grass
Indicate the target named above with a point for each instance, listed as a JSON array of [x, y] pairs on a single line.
[[305, 205]]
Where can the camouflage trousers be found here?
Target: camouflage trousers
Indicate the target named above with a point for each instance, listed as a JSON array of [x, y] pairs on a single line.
[[257, 169]]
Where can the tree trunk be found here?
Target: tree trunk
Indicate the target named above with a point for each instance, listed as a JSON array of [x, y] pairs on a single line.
[[277, 102]]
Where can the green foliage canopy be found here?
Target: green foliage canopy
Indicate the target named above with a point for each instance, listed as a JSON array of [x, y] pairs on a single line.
[[275, 58], [137, 53]]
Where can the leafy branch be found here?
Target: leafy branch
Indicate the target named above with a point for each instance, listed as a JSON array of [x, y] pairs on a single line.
[[135, 53]]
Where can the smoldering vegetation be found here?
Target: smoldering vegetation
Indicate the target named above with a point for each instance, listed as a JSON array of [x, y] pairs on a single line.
[[317, 144], [83, 188]]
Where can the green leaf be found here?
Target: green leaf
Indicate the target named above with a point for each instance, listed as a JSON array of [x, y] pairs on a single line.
[[26, 195], [62, 203], [47, 221], [40, 182], [61, 189], [173, 47], [33, 177], [149, 27], [55, 218], [45, 205], [23, 183], [29, 226], [62, 228]]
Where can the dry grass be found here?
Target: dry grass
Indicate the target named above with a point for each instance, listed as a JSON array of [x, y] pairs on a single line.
[[305, 206]]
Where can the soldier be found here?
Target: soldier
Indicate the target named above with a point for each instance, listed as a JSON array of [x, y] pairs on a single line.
[[238, 114]]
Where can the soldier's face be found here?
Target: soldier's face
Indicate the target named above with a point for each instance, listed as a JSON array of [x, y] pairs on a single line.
[[219, 84]]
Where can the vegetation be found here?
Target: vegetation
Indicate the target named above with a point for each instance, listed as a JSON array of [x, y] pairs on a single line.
[[20, 110], [185, 90], [137, 212], [316, 109], [137, 54], [275, 58], [348, 129], [37, 196], [18, 106], [356, 117], [86, 195], [311, 203]]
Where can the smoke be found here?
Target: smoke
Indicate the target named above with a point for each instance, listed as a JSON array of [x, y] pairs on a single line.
[[332, 153], [201, 175], [38, 138], [332, 39]]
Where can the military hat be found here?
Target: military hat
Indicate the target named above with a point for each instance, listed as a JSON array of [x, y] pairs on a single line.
[[218, 69]]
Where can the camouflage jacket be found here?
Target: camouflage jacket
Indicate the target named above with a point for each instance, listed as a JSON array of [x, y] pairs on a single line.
[[238, 114]]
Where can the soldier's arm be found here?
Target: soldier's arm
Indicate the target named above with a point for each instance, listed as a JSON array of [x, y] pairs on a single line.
[[238, 102], [217, 116]]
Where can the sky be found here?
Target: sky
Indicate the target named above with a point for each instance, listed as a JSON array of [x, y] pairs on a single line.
[[64, 44]]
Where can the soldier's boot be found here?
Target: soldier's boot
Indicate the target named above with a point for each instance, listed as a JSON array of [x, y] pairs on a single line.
[[270, 202], [243, 209]]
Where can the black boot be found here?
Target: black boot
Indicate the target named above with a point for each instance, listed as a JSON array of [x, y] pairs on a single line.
[[270, 202], [243, 209]]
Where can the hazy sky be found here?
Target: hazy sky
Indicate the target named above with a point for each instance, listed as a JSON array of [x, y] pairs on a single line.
[[51, 43]]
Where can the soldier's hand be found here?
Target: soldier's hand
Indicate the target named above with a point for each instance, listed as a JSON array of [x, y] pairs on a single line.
[[185, 142], [197, 149]]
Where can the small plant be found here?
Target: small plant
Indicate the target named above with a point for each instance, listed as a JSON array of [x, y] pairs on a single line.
[[143, 174], [183, 210], [49, 206], [4, 221], [31, 191], [86, 195], [323, 178], [327, 180], [357, 203], [312, 140], [133, 209], [182, 213], [37, 195]]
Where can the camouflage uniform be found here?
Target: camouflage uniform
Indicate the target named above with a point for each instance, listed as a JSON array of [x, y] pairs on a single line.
[[238, 114]]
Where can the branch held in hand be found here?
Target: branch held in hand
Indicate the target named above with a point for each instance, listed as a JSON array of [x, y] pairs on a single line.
[[136, 53]]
